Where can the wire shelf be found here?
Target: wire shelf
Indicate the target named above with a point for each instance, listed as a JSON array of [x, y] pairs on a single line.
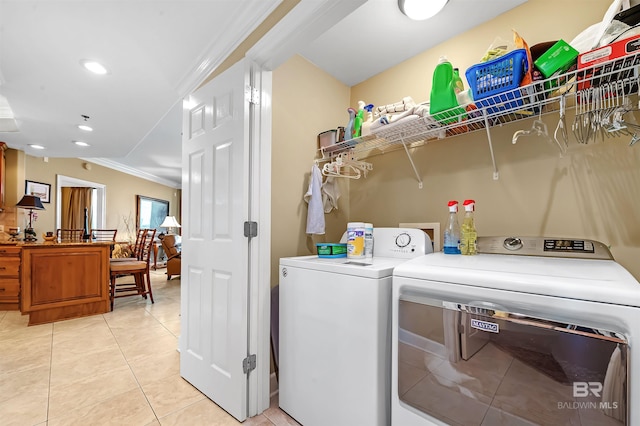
[[540, 97]]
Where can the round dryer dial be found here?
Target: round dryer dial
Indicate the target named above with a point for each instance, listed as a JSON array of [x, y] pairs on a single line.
[[512, 243], [403, 240]]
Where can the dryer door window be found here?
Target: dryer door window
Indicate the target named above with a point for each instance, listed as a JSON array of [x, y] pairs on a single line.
[[466, 364]]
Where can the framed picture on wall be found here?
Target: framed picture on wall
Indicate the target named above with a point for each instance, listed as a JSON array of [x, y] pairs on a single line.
[[39, 189]]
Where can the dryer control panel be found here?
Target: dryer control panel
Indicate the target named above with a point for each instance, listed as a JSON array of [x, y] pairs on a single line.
[[403, 243], [544, 246]]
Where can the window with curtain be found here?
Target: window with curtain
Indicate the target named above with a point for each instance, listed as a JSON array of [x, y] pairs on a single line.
[[74, 202]]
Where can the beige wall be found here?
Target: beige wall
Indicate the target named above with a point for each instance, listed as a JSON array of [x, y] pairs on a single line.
[[121, 190], [306, 101], [592, 192]]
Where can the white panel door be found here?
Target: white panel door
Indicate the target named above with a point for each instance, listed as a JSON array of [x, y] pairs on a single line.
[[214, 329]]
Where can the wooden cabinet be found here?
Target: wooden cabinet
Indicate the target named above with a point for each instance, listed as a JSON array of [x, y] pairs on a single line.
[[61, 281], [9, 277]]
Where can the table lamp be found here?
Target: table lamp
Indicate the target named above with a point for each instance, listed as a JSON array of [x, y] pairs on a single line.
[[170, 222], [31, 203]]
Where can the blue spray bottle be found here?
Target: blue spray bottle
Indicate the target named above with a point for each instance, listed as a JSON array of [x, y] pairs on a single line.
[[366, 125]]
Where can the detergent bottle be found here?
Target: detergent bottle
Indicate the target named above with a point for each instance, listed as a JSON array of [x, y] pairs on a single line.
[[456, 81], [357, 123], [443, 95]]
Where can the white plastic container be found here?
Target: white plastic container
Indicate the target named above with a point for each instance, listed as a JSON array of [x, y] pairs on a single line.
[[368, 240], [355, 240]]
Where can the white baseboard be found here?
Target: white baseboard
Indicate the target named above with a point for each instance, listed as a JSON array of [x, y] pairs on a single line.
[[273, 385], [421, 342]]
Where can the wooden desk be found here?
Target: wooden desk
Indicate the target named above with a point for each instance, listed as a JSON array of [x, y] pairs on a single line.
[[64, 280]]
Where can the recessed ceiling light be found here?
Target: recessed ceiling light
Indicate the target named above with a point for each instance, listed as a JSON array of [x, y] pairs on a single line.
[[419, 10], [85, 128], [36, 146], [80, 143], [94, 67]]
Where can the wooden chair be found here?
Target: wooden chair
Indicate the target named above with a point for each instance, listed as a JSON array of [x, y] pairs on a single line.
[[69, 235], [139, 269], [137, 248], [103, 234], [174, 259]]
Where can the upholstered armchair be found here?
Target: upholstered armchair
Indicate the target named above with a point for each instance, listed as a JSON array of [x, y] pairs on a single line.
[[174, 262]]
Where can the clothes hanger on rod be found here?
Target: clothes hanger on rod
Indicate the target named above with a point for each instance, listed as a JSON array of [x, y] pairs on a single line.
[[351, 160], [339, 169]]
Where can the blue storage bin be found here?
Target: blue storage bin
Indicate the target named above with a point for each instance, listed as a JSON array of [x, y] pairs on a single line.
[[493, 83]]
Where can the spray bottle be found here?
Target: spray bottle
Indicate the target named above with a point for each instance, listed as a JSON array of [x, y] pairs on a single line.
[[452, 231], [366, 126], [469, 235]]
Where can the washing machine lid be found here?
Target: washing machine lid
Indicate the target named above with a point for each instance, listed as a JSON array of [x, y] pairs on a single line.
[[391, 247], [583, 279], [380, 267]]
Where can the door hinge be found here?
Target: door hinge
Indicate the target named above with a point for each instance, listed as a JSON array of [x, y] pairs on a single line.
[[251, 229], [249, 363], [252, 95]]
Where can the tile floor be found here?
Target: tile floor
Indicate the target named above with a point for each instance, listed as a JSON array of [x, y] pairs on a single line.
[[120, 368]]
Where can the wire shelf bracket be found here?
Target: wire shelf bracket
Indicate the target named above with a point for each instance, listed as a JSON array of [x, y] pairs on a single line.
[[496, 174], [413, 165]]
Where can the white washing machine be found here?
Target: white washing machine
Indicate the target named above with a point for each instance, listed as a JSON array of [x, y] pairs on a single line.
[[529, 331], [335, 333]]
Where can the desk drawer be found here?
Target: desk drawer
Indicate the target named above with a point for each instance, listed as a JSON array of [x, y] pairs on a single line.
[[9, 266], [10, 251], [9, 289]]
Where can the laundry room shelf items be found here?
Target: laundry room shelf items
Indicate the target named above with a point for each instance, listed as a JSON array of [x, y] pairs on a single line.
[[589, 90]]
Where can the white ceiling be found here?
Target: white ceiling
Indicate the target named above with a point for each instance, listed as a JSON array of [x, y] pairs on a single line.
[[157, 51]]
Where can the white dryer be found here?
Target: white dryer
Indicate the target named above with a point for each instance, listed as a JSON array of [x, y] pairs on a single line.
[[529, 331], [335, 333]]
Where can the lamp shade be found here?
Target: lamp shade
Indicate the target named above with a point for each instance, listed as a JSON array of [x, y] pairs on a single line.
[[30, 202], [170, 222]]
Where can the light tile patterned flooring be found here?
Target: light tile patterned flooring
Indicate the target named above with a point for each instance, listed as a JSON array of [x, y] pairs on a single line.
[[120, 368]]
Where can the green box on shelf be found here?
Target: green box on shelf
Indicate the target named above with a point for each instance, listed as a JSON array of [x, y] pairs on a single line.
[[557, 60]]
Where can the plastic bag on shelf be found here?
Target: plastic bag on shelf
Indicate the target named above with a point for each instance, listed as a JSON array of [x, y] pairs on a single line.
[[498, 48], [519, 43]]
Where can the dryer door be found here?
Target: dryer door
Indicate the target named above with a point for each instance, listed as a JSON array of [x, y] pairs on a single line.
[[477, 363]]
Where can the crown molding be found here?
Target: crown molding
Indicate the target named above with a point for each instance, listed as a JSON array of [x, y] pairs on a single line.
[[114, 165]]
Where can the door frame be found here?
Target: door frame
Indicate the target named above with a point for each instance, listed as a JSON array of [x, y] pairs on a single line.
[[306, 21], [101, 197]]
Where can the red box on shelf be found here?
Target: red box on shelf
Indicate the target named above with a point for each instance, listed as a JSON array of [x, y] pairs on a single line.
[[617, 55]]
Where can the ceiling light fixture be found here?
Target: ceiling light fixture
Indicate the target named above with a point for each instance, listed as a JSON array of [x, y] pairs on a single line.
[[419, 10], [94, 67], [34, 146], [80, 143], [85, 128]]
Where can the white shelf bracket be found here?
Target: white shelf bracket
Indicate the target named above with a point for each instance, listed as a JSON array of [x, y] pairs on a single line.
[[496, 174], [415, 170]]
